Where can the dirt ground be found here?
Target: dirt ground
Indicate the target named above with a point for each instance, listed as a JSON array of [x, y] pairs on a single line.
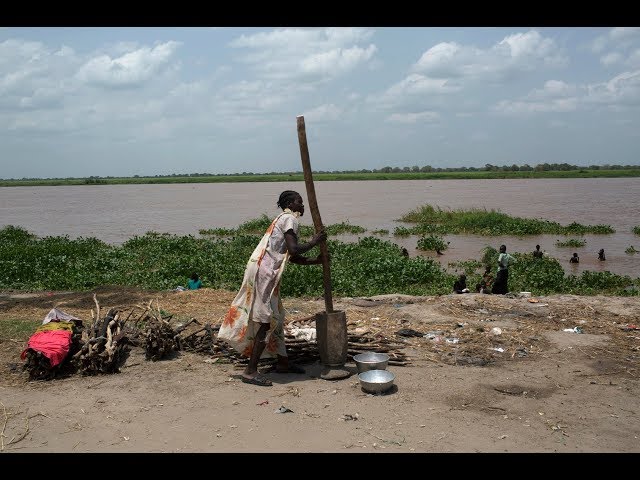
[[548, 390]]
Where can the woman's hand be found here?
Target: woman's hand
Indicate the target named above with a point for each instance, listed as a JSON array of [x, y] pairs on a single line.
[[321, 236]]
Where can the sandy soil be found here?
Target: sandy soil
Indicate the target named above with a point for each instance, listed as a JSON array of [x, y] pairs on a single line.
[[548, 391]]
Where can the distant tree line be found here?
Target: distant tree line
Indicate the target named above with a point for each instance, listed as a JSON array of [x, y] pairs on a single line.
[[541, 167]]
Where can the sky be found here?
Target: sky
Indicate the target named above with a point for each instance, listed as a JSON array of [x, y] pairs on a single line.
[[125, 101]]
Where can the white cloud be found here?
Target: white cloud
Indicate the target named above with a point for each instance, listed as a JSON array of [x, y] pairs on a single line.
[[634, 59], [623, 90], [336, 61], [559, 105], [611, 59], [520, 52], [617, 42], [412, 87], [315, 54], [420, 117], [326, 112], [132, 69], [624, 35], [33, 76], [620, 93], [554, 89]]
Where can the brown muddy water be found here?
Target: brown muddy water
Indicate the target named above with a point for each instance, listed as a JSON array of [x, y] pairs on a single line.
[[115, 213]]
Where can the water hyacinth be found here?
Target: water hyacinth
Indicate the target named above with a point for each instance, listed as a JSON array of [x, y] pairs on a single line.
[[370, 266]]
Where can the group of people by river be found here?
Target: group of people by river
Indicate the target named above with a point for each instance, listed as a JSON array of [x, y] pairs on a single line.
[[499, 285]]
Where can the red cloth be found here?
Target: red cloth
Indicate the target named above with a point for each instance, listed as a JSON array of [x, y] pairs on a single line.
[[53, 344]]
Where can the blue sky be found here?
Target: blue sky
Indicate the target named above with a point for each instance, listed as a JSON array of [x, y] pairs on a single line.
[[107, 101]]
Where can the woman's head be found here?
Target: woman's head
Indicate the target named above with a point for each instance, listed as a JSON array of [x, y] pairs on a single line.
[[194, 277], [291, 200], [503, 248]]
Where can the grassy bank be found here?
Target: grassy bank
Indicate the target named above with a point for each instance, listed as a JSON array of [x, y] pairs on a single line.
[[320, 176], [429, 219], [370, 266]]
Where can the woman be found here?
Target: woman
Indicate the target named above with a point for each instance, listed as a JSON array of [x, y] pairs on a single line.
[[194, 282], [460, 285], [487, 280], [254, 324], [502, 277]]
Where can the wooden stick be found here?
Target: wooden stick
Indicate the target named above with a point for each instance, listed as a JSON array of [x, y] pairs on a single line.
[[315, 212]]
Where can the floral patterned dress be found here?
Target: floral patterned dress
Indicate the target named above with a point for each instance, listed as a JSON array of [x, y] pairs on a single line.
[[258, 300]]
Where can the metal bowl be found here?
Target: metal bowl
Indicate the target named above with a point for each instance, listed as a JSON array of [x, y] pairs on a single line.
[[371, 361], [376, 381]]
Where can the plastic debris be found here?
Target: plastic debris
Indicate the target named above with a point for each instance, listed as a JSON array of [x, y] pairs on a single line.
[[308, 334], [630, 327], [283, 409], [573, 330], [496, 331]]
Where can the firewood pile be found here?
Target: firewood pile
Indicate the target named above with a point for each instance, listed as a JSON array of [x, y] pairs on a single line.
[[150, 328], [103, 347], [304, 351], [201, 340], [104, 344]]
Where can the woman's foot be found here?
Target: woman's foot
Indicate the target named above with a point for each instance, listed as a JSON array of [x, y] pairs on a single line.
[[257, 379]]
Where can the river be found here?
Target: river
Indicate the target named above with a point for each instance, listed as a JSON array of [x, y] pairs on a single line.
[[115, 213]]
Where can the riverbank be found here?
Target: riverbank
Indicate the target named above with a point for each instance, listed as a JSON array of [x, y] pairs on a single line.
[[626, 172], [533, 387]]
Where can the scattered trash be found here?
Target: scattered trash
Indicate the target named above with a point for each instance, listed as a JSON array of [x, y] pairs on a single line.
[[59, 316], [573, 330], [283, 409], [348, 416], [264, 402], [408, 332], [533, 300], [496, 331], [452, 340], [375, 318], [521, 352], [432, 335], [211, 360], [307, 334], [483, 311], [497, 349], [630, 327], [398, 305], [525, 294], [460, 325]]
